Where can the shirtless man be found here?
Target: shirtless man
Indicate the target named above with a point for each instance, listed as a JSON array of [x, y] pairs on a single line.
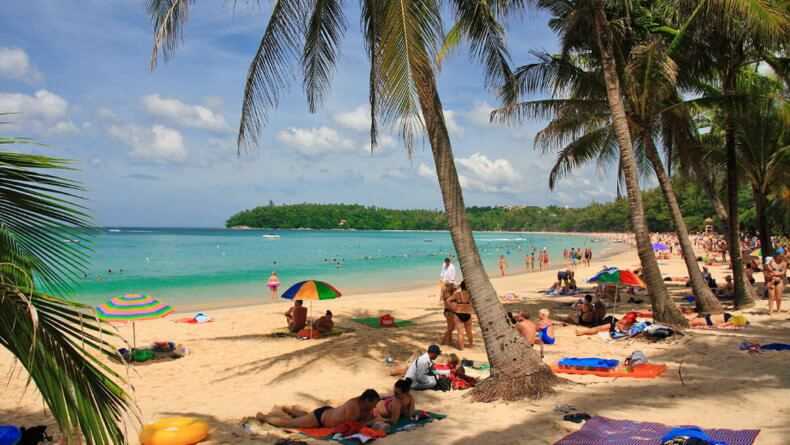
[[359, 409], [296, 316], [775, 279], [324, 324], [525, 327]]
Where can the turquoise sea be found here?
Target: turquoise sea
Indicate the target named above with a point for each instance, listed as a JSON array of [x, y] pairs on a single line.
[[191, 268]]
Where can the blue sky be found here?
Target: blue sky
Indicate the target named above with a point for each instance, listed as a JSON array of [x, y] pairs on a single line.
[[157, 148]]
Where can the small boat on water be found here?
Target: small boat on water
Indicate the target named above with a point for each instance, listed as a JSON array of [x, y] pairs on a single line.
[[268, 236], [114, 230], [427, 240]]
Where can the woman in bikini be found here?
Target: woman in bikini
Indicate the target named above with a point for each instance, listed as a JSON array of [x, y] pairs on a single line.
[[449, 313], [273, 284], [400, 405], [461, 302], [775, 277]]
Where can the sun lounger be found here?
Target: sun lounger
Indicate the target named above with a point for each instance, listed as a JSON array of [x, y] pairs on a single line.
[[645, 371], [604, 431]]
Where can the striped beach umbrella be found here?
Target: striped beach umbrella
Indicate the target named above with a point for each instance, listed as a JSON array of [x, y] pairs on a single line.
[[311, 290], [613, 275], [133, 307]]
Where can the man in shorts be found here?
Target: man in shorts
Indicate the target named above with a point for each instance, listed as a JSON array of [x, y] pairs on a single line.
[[359, 409]]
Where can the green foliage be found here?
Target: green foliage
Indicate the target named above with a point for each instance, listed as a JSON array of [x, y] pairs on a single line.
[[58, 342], [596, 217]]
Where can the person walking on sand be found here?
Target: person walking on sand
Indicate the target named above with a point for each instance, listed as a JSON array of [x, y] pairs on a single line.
[[502, 265], [532, 260], [775, 279], [544, 264], [273, 284]]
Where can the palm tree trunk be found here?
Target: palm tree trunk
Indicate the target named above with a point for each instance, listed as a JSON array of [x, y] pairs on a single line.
[[721, 213], [706, 301], [762, 222], [742, 296], [663, 307], [516, 369]]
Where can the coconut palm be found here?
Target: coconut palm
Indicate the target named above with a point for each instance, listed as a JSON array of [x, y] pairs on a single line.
[[57, 341], [581, 128], [401, 38]]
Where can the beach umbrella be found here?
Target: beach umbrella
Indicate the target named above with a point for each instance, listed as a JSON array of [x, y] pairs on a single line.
[[618, 277], [660, 247], [311, 290], [132, 308]]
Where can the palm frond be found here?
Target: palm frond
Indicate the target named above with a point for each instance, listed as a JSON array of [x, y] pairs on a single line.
[[479, 23], [324, 32], [372, 14], [409, 40], [169, 18], [269, 72], [581, 151]]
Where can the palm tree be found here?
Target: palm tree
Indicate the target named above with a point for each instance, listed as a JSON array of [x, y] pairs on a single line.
[[401, 38], [57, 341]]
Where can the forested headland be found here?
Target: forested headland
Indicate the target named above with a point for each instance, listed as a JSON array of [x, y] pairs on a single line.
[[596, 217]]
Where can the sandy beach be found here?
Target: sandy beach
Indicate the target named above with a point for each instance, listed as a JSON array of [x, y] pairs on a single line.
[[236, 368]]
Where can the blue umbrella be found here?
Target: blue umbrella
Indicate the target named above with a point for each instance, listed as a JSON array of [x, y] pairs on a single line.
[[659, 247]]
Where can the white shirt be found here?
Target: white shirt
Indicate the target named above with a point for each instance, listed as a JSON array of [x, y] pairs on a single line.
[[420, 368], [448, 274]]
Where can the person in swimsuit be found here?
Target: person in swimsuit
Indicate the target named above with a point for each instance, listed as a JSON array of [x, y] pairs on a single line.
[[449, 313], [545, 328], [709, 320], [274, 284], [324, 324], [611, 324], [400, 405], [359, 409], [525, 327], [461, 302], [775, 279], [502, 265]]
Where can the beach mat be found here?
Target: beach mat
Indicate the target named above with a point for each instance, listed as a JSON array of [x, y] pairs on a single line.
[[403, 425], [285, 333], [604, 431], [646, 371], [373, 322]]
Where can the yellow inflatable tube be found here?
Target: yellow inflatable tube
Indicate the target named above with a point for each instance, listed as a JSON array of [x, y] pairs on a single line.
[[174, 431]]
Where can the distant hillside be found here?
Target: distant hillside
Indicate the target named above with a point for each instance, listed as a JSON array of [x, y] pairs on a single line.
[[608, 217]]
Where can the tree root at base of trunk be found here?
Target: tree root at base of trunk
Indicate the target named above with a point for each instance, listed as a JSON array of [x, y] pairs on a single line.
[[514, 385]]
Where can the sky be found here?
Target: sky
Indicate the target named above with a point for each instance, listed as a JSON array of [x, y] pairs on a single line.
[[157, 148]]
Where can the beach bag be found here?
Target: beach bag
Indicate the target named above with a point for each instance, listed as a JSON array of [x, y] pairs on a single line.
[[10, 435], [387, 321], [659, 331], [443, 384], [308, 333]]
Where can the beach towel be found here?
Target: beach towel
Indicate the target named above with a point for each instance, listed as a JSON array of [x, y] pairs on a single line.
[[373, 322], [285, 333], [351, 436], [756, 347], [199, 318], [646, 371], [604, 431], [592, 363]]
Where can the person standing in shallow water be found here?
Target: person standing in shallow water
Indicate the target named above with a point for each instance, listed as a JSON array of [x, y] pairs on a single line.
[[502, 265], [273, 284]]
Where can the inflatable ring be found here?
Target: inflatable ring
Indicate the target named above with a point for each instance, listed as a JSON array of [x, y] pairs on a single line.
[[174, 431]]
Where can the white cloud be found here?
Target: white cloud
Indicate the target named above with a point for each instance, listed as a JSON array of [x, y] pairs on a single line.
[[452, 125], [357, 119], [157, 143], [106, 114], [316, 141], [479, 115], [195, 116], [43, 105], [479, 173], [64, 127], [15, 64], [425, 171]]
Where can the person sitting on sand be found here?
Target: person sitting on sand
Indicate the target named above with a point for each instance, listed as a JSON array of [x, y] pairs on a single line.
[[400, 405], [726, 292], [296, 316], [525, 327], [545, 328], [611, 324], [359, 409], [324, 324], [420, 371]]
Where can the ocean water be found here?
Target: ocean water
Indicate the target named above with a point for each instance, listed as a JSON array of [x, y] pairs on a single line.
[[218, 267]]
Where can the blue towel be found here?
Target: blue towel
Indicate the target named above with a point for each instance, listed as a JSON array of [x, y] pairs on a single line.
[[775, 347], [10, 435], [692, 432], [589, 362]]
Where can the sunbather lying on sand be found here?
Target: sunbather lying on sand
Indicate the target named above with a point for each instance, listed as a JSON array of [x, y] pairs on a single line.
[[722, 320], [358, 409], [392, 408], [611, 324]]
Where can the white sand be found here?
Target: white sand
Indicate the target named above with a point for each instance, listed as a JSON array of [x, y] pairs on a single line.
[[235, 370]]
